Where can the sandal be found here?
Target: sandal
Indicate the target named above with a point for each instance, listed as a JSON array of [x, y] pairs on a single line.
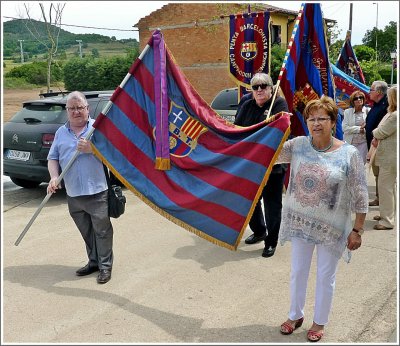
[[287, 328], [377, 217], [314, 336]]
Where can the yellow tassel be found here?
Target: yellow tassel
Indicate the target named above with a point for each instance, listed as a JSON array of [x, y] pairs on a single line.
[[163, 164]]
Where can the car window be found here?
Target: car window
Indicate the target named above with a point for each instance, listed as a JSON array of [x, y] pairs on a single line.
[[226, 99], [43, 113], [100, 106]]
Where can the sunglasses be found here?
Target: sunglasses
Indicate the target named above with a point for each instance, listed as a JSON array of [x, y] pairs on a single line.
[[262, 86], [358, 98]]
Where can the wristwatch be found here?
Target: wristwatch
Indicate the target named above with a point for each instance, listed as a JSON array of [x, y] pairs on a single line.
[[358, 231]]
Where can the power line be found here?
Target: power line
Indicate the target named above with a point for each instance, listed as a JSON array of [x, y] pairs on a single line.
[[81, 26]]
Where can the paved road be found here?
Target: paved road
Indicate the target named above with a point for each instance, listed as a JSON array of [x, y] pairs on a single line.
[[169, 286]]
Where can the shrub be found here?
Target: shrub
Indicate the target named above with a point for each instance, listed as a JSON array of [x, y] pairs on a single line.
[[35, 73]]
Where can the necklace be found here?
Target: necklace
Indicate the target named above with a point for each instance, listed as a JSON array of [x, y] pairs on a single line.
[[323, 149]]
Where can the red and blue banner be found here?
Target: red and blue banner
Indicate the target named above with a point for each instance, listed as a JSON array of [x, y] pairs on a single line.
[[249, 46], [212, 174], [345, 86], [347, 61], [305, 74]]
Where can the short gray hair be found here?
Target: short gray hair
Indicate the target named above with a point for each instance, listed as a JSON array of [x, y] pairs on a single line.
[[381, 86], [261, 78], [77, 95]]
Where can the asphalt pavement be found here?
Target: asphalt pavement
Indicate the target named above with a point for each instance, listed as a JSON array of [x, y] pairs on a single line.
[[170, 286]]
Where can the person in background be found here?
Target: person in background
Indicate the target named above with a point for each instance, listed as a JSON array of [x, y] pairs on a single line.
[[86, 186], [354, 123], [253, 111], [385, 139], [378, 110], [327, 183]]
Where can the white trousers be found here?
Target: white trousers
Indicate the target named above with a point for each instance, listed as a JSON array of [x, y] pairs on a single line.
[[325, 284]]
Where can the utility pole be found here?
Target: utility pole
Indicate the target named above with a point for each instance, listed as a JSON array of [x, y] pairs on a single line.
[[22, 51], [351, 16], [376, 32], [80, 47]]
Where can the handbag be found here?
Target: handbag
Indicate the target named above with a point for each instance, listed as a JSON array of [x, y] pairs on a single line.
[[116, 199]]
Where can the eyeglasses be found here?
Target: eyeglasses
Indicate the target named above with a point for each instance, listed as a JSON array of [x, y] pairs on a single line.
[[319, 120], [262, 86], [358, 98], [76, 109]]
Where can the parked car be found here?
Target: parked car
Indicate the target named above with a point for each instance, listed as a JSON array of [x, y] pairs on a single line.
[[226, 103], [28, 136]]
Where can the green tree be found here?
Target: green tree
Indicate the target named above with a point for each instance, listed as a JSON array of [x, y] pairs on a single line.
[[277, 56], [370, 71], [334, 51], [386, 39], [95, 53], [364, 53], [52, 21]]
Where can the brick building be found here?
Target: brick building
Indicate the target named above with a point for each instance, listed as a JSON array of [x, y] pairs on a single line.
[[197, 35]]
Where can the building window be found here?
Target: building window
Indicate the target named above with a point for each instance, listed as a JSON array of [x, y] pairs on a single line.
[[276, 34]]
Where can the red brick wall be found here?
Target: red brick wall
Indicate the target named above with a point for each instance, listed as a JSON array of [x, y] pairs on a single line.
[[201, 51]]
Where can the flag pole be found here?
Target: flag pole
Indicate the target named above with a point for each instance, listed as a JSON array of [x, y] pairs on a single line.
[[296, 25], [69, 164], [45, 200]]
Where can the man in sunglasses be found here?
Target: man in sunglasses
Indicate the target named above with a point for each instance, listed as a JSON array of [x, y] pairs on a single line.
[[252, 112], [377, 94]]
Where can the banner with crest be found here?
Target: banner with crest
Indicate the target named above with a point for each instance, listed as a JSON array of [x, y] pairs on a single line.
[[166, 144], [347, 60], [249, 46], [305, 73]]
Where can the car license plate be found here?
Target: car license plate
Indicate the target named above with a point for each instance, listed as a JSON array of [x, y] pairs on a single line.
[[18, 155]]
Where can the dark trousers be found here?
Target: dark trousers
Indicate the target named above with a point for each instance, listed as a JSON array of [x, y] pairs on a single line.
[[90, 214], [272, 200]]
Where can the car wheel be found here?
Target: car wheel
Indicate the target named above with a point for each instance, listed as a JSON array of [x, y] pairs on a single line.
[[28, 184]]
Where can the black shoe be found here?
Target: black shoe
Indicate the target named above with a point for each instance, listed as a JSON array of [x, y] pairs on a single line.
[[104, 276], [253, 239], [86, 270], [268, 251]]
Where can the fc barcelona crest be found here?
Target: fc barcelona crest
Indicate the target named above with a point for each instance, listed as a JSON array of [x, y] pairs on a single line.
[[248, 50], [184, 131]]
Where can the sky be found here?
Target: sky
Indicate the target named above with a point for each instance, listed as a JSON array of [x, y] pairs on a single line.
[[123, 15]]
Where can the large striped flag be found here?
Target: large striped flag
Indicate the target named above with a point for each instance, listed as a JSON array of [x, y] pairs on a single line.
[[165, 143], [347, 60], [305, 74], [249, 46], [345, 86]]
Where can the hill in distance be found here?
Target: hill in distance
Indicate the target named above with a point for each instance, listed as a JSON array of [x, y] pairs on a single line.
[[17, 29]]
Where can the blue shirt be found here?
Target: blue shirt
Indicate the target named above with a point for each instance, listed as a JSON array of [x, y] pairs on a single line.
[[86, 174]]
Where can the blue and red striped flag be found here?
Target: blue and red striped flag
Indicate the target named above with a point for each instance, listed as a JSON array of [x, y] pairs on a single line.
[[305, 74], [165, 143], [347, 60], [249, 46]]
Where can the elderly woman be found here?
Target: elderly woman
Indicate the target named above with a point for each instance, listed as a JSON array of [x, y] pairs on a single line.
[[385, 139], [252, 112], [327, 182], [354, 123]]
